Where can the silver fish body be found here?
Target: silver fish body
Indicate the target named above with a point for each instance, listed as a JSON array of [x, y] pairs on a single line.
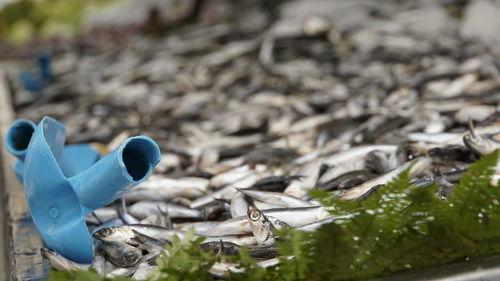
[[144, 209], [58, 262], [119, 253]]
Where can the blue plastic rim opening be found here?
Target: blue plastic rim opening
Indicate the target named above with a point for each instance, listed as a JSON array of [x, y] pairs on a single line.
[[139, 156], [19, 135]]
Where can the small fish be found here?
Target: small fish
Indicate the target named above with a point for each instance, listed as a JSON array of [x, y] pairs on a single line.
[[101, 265], [262, 227], [238, 205], [332, 176], [294, 217], [276, 198], [444, 187], [451, 154], [222, 270], [242, 240], [378, 162], [217, 210], [313, 226], [323, 169], [228, 192], [309, 123], [199, 227], [356, 153], [120, 254], [299, 188], [232, 249], [274, 183], [436, 138], [231, 176], [234, 226], [157, 188], [128, 234], [125, 233], [377, 126], [422, 181], [58, 262], [152, 246], [144, 209], [124, 215], [270, 156], [347, 180], [478, 144], [161, 219], [101, 215], [221, 247], [224, 193], [450, 138], [143, 271], [111, 223], [418, 165], [269, 262], [122, 272]]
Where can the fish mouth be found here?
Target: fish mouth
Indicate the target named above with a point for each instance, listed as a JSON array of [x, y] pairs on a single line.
[[44, 252], [131, 259]]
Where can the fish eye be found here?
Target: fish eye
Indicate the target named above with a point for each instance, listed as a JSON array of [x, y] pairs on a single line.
[[281, 223], [105, 232], [255, 216]]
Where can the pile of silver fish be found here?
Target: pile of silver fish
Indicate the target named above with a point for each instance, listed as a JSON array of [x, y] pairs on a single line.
[[340, 96]]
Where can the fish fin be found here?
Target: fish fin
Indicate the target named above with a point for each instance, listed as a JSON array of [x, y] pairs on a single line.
[[471, 127]]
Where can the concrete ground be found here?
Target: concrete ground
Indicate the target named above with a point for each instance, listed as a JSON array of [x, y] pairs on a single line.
[[19, 241]]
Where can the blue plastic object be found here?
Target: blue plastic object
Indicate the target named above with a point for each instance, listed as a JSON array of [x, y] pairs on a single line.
[[34, 80], [58, 203], [43, 63], [30, 82], [77, 157]]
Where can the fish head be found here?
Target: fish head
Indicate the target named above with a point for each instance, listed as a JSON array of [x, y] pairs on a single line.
[[120, 254], [103, 233], [50, 257], [130, 258], [435, 152], [122, 234], [278, 224], [262, 228], [46, 253], [58, 262], [254, 214], [478, 144]]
